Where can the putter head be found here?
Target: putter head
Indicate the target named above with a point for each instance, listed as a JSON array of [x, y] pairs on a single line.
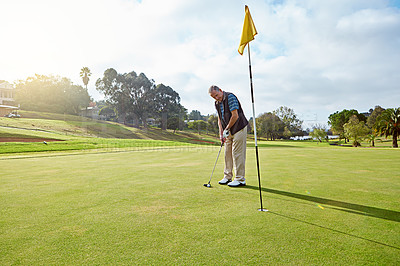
[[207, 185]]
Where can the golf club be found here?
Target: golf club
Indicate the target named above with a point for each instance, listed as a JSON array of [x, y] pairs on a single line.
[[208, 184]]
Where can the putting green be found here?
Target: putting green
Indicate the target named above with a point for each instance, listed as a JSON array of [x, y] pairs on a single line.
[[327, 205]]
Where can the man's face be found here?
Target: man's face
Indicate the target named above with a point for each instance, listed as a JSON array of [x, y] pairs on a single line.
[[217, 95]]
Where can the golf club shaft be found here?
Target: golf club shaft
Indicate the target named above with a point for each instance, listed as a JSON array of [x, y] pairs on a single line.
[[222, 144]]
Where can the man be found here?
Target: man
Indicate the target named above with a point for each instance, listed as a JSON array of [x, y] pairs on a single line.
[[233, 132]]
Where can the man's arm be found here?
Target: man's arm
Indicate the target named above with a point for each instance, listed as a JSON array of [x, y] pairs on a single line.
[[221, 130]]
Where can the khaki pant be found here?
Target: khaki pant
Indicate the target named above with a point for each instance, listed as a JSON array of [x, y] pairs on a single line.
[[235, 155]]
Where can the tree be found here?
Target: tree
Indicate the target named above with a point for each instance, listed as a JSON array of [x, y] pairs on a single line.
[[371, 120], [250, 126], [286, 133], [112, 87], [213, 123], [374, 115], [175, 123], [176, 120], [318, 133], [101, 103], [195, 115], [140, 91], [131, 94], [197, 125], [51, 94], [371, 139], [338, 119], [270, 126], [85, 74], [76, 98], [388, 124], [167, 102], [292, 123], [355, 129], [109, 112]]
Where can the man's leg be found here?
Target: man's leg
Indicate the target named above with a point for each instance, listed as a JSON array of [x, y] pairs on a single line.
[[239, 153], [228, 159]]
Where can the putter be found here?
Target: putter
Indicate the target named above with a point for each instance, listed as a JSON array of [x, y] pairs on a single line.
[[208, 184]]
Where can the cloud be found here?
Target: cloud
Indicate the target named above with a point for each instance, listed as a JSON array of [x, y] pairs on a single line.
[[316, 57], [343, 59]]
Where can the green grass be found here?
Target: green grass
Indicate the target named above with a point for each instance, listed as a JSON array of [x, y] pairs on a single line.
[[68, 126], [78, 133], [70, 143], [86, 144], [327, 206]]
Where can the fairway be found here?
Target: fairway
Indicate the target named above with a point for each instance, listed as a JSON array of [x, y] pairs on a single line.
[[327, 205]]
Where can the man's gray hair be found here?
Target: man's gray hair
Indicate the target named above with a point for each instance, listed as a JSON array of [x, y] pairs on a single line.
[[213, 88]]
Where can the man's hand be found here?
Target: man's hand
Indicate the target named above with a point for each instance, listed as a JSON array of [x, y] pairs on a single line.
[[222, 139], [225, 134]]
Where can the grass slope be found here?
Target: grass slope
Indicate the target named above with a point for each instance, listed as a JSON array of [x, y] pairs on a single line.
[[79, 133], [327, 205], [70, 125]]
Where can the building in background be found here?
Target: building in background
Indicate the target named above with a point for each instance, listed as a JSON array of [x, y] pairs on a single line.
[[7, 102], [6, 93]]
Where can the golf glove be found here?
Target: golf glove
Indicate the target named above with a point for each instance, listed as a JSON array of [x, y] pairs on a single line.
[[225, 134]]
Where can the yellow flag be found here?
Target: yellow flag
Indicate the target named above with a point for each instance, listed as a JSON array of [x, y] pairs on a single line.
[[249, 31]]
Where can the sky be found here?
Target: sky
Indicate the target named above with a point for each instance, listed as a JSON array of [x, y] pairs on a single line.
[[315, 57]]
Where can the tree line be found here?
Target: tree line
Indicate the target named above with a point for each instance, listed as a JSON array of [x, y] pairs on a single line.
[[132, 98], [52, 94], [281, 123], [129, 98], [349, 124]]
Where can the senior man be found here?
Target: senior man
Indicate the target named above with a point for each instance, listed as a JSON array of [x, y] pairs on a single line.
[[233, 132]]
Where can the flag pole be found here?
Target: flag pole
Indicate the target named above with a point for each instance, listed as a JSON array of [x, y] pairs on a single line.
[[255, 131]]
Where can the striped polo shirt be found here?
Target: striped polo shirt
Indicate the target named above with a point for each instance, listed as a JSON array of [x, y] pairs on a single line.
[[232, 103]]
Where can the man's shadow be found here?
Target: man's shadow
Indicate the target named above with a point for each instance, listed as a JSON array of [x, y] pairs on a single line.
[[338, 205]]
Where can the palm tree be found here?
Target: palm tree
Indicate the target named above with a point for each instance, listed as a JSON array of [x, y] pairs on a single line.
[[388, 124], [85, 74], [371, 139]]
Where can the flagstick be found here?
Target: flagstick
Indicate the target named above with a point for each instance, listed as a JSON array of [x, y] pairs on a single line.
[[255, 131]]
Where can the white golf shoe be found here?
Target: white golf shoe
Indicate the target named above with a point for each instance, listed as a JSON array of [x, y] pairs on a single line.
[[237, 183], [224, 181]]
